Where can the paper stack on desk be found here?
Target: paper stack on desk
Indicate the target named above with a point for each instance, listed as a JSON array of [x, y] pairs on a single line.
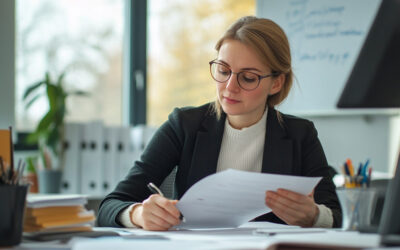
[[57, 213]]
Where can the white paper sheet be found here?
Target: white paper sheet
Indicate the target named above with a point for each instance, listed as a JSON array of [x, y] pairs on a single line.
[[232, 239], [55, 200], [232, 197]]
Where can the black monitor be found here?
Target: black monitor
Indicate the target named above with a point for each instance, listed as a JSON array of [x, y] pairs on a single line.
[[375, 83], [389, 226], [375, 79]]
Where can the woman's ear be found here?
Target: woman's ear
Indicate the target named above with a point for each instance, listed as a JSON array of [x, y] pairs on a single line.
[[277, 84]]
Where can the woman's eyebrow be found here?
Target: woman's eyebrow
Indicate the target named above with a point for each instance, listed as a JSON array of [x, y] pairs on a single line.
[[223, 62], [255, 69], [242, 69]]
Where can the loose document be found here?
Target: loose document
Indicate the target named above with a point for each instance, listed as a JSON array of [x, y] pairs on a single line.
[[233, 197]]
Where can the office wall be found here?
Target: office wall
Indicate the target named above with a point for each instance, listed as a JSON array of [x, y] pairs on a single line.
[[7, 62], [326, 37], [373, 136]]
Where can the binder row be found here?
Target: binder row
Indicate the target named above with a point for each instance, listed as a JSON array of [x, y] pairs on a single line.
[[97, 157]]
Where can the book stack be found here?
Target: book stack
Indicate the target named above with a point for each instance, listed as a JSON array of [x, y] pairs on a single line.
[[57, 213]]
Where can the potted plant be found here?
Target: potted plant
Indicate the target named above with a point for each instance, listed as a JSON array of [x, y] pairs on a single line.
[[49, 133]]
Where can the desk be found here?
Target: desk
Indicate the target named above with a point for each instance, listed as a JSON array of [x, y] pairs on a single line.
[[239, 238]]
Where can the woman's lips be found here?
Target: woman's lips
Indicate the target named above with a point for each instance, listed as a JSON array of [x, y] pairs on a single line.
[[230, 101]]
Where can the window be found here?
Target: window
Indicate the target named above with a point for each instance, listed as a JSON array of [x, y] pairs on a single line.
[[84, 39], [181, 39]]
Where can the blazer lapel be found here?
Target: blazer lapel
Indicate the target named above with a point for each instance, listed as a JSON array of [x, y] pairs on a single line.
[[278, 149], [206, 149]]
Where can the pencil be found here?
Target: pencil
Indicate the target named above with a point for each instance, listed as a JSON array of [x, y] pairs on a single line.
[[11, 151]]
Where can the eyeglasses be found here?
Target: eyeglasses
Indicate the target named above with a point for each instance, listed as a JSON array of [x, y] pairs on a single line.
[[247, 80]]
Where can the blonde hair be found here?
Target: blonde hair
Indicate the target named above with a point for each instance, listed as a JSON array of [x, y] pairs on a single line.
[[269, 41]]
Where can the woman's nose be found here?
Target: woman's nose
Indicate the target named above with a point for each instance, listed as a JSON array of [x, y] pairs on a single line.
[[232, 84]]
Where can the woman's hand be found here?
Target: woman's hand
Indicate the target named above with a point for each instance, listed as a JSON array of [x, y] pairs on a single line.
[[293, 208], [156, 213]]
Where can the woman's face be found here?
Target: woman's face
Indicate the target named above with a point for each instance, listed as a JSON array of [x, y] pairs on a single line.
[[236, 102]]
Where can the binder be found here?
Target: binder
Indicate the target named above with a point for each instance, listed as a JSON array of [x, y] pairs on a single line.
[[91, 159], [141, 136], [110, 162], [124, 152], [138, 142], [70, 182], [149, 131], [137, 134]]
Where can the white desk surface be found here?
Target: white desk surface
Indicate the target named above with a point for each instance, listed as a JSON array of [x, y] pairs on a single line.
[[240, 238]]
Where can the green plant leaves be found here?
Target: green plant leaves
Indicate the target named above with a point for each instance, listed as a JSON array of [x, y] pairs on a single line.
[[52, 96], [31, 89], [33, 100], [60, 79], [78, 93], [49, 129]]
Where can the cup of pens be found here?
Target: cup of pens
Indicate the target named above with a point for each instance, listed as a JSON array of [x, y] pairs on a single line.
[[12, 210], [357, 199], [358, 207], [12, 194]]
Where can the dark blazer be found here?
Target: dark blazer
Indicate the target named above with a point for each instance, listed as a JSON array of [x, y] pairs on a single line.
[[191, 139]]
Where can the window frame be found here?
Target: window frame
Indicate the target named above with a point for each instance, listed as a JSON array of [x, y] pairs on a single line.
[[137, 65], [134, 101]]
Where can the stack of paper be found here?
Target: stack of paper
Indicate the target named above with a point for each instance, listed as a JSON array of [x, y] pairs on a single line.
[[57, 213]]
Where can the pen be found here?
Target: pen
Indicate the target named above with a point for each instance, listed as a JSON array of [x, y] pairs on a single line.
[[365, 166], [351, 168], [359, 171], [155, 190], [11, 152], [272, 232], [346, 169], [349, 178], [3, 172]]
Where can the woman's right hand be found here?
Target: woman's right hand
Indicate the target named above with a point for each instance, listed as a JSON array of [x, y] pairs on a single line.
[[156, 213]]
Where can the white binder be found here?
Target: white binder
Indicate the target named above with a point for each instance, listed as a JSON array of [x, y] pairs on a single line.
[[148, 134], [138, 142], [110, 162], [92, 159], [71, 183], [124, 152], [141, 135]]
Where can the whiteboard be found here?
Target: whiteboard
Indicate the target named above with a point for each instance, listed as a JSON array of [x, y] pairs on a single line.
[[325, 37]]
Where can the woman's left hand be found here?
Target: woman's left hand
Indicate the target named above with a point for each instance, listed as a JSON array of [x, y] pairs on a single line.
[[293, 208]]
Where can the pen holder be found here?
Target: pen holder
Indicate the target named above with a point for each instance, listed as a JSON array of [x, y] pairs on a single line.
[[12, 206], [358, 207]]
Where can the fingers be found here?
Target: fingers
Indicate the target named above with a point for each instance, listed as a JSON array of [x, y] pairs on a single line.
[[284, 204], [282, 212], [311, 195], [293, 196], [159, 213], [292, 207], [168, 205]]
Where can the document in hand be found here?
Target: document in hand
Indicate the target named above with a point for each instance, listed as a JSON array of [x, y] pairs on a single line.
[[233, 197]]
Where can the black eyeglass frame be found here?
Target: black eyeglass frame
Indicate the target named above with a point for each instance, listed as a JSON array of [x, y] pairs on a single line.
[[260, 77]]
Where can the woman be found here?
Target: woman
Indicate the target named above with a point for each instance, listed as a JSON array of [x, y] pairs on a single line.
[[241, 130]]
